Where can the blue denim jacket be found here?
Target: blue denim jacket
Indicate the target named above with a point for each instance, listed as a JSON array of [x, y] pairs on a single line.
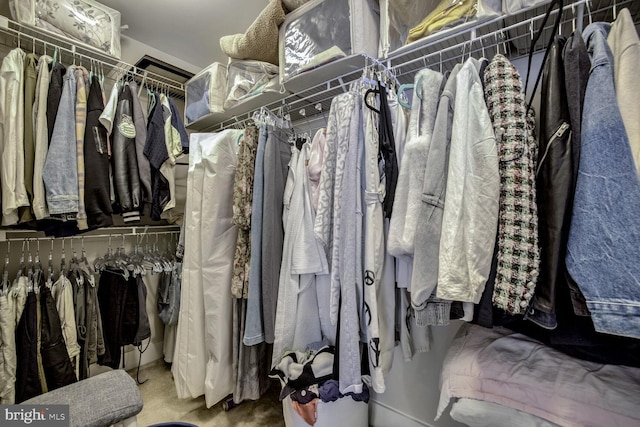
[[60, 172], [603, 251]]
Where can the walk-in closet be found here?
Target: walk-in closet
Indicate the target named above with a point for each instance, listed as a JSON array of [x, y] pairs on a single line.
[[290, 213]]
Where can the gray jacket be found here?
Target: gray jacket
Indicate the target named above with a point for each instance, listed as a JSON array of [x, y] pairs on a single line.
[[427, 237]]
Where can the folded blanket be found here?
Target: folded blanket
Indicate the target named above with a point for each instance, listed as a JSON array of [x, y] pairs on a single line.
[[260, 41]]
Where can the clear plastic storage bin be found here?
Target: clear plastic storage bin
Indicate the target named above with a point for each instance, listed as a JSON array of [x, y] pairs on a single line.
[[84, 21], [205, 92], [324, 30], [248, 78], [398, 17]]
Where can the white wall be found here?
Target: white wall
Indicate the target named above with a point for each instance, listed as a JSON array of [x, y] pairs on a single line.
[[412, 394]]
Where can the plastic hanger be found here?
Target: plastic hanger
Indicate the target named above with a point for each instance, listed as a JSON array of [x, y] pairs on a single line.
[[5, 270]]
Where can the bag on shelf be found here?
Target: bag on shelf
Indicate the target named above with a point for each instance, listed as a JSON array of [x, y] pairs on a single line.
[[405, 21], [71, 19], [324, 30], [205, 92], [249, 78], [512, 6]]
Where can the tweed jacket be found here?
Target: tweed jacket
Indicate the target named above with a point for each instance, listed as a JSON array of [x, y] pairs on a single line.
[[518, 248]]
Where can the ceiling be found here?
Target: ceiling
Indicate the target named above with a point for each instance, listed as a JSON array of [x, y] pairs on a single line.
[[188, 29]]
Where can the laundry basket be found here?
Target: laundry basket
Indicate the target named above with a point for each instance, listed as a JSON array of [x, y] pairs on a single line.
[[343, 412]]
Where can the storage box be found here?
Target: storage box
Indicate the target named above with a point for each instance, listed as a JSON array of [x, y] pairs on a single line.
[[324, 30], [398, 17], [205, 92], [249, 78], [84, 21]]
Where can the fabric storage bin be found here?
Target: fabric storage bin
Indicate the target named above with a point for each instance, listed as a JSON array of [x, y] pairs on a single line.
[[205, 92], [343, 412], [323, 30], [85, 21], [249, 78], [399, 17]]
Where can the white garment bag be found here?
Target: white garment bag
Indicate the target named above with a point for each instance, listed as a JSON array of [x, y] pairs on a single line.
[[203, 357]]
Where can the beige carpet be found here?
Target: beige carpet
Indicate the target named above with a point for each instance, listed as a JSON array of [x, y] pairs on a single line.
[[161, 404]]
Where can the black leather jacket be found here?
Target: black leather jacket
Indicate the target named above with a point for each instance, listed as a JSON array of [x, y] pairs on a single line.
[[554, 185], [126, 179]]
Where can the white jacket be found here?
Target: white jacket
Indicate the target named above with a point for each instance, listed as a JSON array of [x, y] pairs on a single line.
[[406, 204], [470, 218]]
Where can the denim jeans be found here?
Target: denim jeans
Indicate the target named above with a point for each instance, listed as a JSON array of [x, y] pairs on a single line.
[[604, 239]]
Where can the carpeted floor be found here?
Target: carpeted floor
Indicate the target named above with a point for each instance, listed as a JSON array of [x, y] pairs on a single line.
[[161, 404]]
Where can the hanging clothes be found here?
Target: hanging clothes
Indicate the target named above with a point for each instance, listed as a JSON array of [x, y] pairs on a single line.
[[11, 308], [408, 199], [624, 43], [54, 94], [30, 75], [155, 150], [470, 217], [41, 141], [338, 226], [250, 369], [254, 328], [277, 154], [577, 67], [62, 292], [373, 231], [12, 120], [28, 368], [126, 179], [60, 172], [604, 234], [97, 198], [144, 168], [203, 361], [554, 187], [119, 307], [518, 250], [56, 364], [82, 83], [427, 238], [242, 206], [298, 318]]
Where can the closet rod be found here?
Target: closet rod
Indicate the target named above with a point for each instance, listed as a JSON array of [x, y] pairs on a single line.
[[74, 51], [496, 37], [89, 236]]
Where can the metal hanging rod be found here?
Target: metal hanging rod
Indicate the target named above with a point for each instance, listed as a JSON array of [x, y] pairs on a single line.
[[91, 56], [91, 236]]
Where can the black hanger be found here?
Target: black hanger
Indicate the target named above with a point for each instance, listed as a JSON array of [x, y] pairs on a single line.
[[366, 96]]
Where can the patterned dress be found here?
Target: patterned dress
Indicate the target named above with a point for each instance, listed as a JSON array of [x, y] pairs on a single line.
[[242, 202]]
